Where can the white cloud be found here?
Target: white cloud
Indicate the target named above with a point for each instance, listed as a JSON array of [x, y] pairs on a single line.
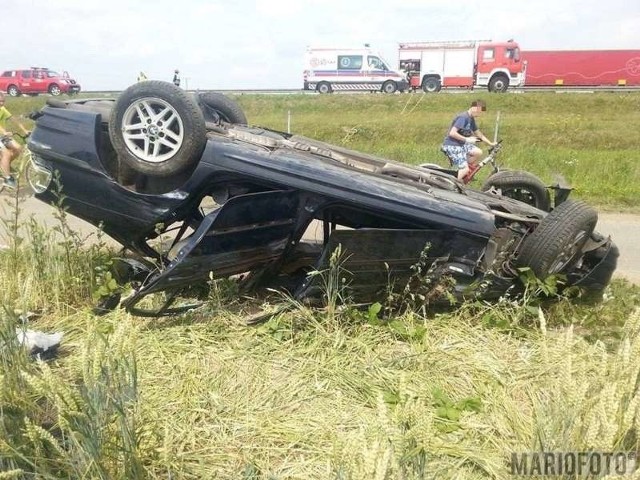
[[260, 43]]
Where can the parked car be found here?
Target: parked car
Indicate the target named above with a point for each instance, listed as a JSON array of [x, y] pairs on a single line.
[[36, 80], [240, 199]]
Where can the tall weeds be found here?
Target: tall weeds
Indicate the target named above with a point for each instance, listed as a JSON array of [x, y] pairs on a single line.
[[45, 267], [336, 393], [76, 422]]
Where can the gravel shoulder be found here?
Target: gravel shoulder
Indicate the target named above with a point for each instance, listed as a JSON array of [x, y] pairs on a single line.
[[624, 229]]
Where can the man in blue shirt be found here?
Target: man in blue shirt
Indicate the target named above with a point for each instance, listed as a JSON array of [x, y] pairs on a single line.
[[460, 143]]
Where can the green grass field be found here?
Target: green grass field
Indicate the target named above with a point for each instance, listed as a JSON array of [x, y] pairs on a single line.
[[340, 393], [587, 138]]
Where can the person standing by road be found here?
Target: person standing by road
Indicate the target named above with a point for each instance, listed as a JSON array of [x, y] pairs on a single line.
[[460, 142], [176, 77], [9, 148], [141, 76]]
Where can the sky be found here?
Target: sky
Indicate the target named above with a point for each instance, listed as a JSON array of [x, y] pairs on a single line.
[[260, 44]]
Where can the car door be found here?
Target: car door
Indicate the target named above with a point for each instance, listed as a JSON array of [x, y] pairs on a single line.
[[26, 81], [377, 71], [351, 71], [245, 234], [40, 81]]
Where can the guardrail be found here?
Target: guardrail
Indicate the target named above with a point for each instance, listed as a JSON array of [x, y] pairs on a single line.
[[285, 91]]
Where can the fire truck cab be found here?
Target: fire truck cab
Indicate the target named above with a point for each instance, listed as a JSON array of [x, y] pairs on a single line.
[[467, 64]]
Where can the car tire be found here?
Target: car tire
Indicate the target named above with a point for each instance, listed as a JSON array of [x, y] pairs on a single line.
[[554, 246], [431, 85], [143, 140], [54, 90], [13, 91], [389, 87], [324, 87], [522, 186], [499, 84], [216, 107]]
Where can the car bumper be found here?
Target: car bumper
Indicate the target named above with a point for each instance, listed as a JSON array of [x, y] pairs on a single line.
[[600, 275]]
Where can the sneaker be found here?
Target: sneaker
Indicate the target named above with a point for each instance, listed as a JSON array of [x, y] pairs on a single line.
[[10, 182]]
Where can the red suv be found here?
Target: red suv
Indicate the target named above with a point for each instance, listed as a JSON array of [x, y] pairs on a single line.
[[37, 80]]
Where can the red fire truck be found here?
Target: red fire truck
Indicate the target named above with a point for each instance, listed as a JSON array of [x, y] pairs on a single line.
[[568, 68], [473, 63]]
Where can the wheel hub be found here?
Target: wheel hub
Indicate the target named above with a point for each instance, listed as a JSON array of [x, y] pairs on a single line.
[[152, 130], [568, 254]]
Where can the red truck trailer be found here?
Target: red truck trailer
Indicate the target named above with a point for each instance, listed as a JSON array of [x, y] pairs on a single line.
[[578, 68]]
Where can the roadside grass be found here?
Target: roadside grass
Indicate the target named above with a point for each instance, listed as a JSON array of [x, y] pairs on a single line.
[[583, 137], [337, 393], [313, 395]]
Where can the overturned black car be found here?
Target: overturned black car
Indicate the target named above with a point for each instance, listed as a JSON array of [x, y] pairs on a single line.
[[242, 200]]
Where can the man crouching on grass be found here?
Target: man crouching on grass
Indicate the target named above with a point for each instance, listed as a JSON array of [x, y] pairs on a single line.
[[460, 143]]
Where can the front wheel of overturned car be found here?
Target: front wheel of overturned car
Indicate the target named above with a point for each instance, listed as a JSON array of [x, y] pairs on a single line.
[[522, 186], [157, 129], [216, 108], [556, 244]]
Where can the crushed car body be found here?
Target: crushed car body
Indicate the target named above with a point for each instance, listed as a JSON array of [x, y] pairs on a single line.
[[244, 200]]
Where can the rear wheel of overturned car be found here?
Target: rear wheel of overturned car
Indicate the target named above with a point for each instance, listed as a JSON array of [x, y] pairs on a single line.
[[216, 107], [157, 129], [556, 245], [522, 186]]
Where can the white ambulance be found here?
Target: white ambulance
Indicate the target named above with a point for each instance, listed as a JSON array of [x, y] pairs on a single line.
[[331, 69]]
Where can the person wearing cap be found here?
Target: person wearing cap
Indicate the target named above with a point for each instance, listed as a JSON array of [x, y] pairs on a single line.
[[460, 142]]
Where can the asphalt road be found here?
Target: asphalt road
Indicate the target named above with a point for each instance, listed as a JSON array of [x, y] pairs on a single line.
[[454, 90], [623, 228]]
